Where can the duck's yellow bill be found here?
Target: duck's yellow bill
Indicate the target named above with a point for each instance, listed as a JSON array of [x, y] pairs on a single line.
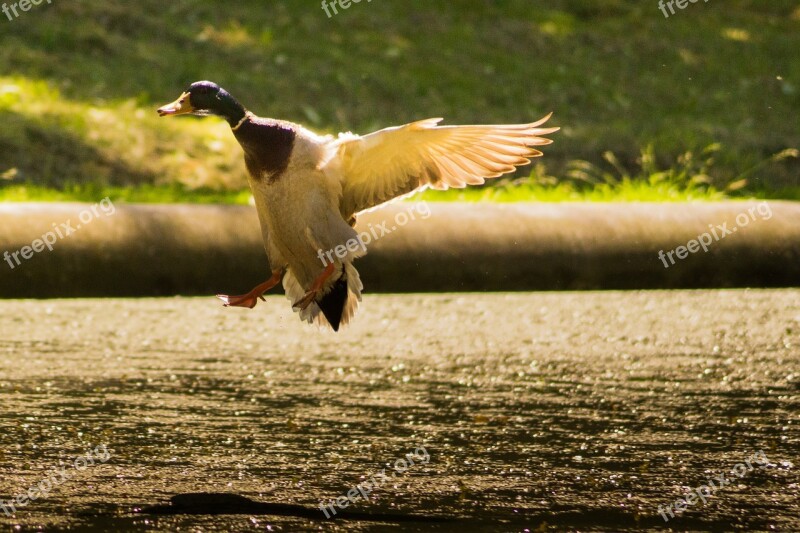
[[181, 106]]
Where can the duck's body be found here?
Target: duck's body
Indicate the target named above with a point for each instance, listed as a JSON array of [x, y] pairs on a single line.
[[283, 158], [308, 189]]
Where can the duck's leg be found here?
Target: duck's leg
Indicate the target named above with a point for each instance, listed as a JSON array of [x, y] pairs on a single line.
[[311, 295], [251, 298]]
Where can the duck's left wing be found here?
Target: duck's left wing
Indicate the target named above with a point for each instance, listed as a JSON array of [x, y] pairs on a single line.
[[395, 161]]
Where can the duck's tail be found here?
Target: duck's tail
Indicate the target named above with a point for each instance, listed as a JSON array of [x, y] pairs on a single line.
[[337, 306]]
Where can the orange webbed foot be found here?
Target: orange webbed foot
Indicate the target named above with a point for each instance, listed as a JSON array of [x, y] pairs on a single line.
[[311, 295], [250, 299]]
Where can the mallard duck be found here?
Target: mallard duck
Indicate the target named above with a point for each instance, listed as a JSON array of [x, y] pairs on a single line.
[[308, 188]]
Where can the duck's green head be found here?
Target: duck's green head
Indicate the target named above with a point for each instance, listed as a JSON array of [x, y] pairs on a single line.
[[205, 98]]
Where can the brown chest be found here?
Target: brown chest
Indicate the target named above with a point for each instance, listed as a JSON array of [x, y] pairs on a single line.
[[267, 148]]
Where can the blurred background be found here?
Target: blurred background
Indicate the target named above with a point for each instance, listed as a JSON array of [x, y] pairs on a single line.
[[575, 409], [702, 104]]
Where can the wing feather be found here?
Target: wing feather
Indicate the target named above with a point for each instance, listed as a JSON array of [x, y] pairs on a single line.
[[396, 161]]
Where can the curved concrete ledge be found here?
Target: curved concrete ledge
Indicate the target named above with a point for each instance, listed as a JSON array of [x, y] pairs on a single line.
[[164, 250]]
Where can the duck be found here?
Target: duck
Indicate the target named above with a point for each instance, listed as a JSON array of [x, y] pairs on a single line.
[[309, 189]]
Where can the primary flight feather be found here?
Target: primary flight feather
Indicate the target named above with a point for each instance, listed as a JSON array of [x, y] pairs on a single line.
[[308, 188]]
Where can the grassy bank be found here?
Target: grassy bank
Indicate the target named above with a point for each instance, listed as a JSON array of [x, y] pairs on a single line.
[[81, 81]]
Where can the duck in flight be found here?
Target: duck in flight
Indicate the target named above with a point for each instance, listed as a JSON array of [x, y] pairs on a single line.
[[308, 188]]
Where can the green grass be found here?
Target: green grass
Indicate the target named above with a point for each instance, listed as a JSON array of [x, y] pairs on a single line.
[[147, 194], [630, 191], [81, 81], [688, 180]]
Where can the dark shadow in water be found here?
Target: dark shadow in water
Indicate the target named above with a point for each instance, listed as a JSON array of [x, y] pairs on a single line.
[[209, 503]]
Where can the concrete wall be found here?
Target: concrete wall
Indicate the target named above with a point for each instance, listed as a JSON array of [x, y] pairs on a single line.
[[136, 250]]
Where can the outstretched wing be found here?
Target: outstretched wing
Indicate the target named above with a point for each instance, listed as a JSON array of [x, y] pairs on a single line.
[[395, 161]]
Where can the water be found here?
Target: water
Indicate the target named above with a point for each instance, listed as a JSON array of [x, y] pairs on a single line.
[[567, 410]]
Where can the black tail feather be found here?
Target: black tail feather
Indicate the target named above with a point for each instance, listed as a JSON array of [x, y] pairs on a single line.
[[333, 303]]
